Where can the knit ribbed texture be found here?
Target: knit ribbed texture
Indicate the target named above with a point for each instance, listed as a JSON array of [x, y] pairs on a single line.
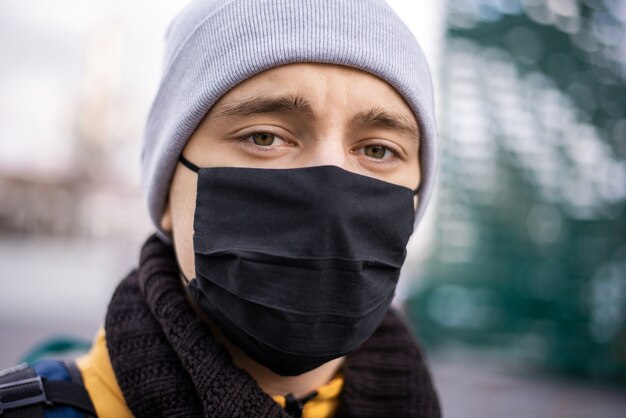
[[387, 377], [168, 364], [165, 359], [213, 45]]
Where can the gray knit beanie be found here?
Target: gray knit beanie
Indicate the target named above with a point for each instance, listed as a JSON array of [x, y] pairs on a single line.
[[213, 45]]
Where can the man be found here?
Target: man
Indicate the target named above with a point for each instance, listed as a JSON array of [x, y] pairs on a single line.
[[288, 153]]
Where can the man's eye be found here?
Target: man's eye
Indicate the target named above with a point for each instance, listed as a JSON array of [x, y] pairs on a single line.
[[377, 151], [262, 139]]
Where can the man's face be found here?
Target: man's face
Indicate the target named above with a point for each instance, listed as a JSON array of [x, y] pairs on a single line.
[[298, 115]]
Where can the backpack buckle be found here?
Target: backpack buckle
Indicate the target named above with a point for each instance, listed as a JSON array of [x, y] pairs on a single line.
[[26, 392]]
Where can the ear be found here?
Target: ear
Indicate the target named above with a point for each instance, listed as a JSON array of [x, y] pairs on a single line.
[[166, 219]]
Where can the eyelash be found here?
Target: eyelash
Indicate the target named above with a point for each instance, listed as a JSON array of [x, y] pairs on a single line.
[[396, 155], [248, 136], [381, 162]]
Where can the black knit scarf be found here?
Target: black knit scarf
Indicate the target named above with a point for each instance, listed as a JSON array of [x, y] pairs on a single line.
[[168, 364]]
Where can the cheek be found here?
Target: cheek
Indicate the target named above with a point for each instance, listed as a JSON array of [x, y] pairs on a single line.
[[183, 205], [183, 243], [408, 175]]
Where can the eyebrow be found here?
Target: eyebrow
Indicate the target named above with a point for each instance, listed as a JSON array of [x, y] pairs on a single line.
[[379, 118], [260, 105], [374, 118]]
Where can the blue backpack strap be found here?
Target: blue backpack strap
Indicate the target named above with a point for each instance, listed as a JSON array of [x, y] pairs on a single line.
[[48, 389]]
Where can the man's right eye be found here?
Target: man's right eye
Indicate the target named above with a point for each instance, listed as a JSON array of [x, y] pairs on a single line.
[[262, 139]]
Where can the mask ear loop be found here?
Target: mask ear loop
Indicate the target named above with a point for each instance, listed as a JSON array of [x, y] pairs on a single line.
[[189, 164], [416, 191]]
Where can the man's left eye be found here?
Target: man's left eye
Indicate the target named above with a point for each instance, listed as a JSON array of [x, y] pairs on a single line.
[[377, 152]]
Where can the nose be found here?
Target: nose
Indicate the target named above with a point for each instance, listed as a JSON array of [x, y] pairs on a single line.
[[329, 149]]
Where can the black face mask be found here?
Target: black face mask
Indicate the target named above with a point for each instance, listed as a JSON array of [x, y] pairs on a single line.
[[297, 267]]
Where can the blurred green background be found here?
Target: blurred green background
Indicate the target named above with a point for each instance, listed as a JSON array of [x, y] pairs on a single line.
[[529, 253]]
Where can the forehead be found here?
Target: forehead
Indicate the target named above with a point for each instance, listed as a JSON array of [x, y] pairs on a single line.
[[322, 85]]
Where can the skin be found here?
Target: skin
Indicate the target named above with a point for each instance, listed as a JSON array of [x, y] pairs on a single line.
[[297, 115]]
